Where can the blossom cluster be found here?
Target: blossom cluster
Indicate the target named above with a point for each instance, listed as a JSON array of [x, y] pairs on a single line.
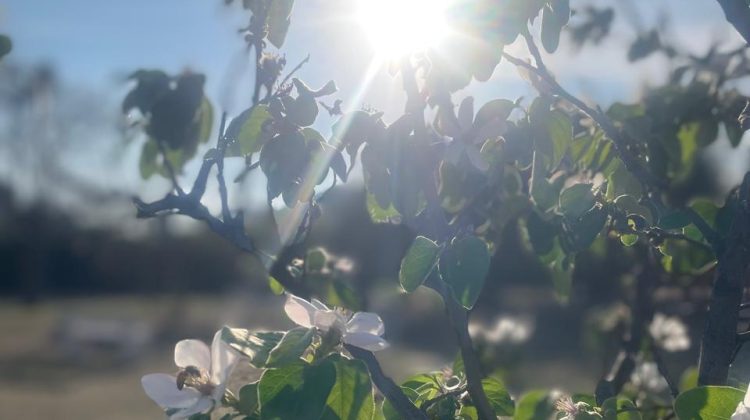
[[200, 384]]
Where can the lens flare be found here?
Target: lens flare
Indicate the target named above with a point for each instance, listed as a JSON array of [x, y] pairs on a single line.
[[397, 27]]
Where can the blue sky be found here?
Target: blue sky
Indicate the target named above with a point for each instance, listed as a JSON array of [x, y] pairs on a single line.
[[95, 43]]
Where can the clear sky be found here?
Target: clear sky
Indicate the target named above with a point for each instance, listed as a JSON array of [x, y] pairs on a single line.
[[96, 42]]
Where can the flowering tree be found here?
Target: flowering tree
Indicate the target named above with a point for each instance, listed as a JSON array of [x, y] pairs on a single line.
[[570, 175]]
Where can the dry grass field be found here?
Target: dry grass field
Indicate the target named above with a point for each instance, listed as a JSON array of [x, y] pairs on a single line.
[[45, 376]]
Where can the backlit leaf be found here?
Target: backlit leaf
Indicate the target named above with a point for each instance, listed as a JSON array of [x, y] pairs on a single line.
[[418, 263]]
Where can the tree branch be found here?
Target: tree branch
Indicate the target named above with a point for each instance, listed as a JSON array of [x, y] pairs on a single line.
[[432, 401], [634, 166], [457, 315], [294, 70], [393, 393], [642, 312], [733, 253], [737, 13], [221, 148], [459, 319], [720, 334]]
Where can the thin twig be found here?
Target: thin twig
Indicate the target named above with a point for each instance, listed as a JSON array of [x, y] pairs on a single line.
[[713, 237], [221, 151], [432, 401], [679, 236], [634, 166], [246, 170], [294, 70], [170, 169], [387, 387]]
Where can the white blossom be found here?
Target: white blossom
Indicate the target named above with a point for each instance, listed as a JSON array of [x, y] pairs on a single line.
[[570, 409], [647, 378], [200, 383], [743, 409], [361, 329], [669, 333], [506, 329]]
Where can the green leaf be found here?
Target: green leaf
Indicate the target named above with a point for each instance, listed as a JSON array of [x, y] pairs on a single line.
[[351, 397], [291, 347], [248, 397], [541, 233], [496, 109], [689, 379], [246, 129], [379, 214], [544, 193], [631, 206], [316, 259], [620, 409], [390, 413], [276, 287], [6, 45], [425, 385], [576, 200], [255, 346], [302, 110], [534, 405], [621, 112], [296, 391], [279, 18], [561, 269], [312, 134], [560, 132], [148, 164], [340, 293], [418, 263], [674, 220], [497, 394], [177, 158], [206, 121], [708, 402], [453, 191], [707, 210], [734, 132], [550, 29], [468, 412], [562, 11], [464, 266], [629, 239], [587, 228], [621, 181]]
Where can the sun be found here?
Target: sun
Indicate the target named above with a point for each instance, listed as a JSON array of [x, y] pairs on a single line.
[[398, 27]]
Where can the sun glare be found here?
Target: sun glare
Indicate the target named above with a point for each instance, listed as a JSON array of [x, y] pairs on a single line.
[[396, 27]]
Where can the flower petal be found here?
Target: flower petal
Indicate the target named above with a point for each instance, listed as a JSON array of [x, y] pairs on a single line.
[[741, 413], [325, 320], [192, 353], [223, 359], [162, 388], [300, 311], [365, 341], [319, 305], [366, 322], [201, 406]]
